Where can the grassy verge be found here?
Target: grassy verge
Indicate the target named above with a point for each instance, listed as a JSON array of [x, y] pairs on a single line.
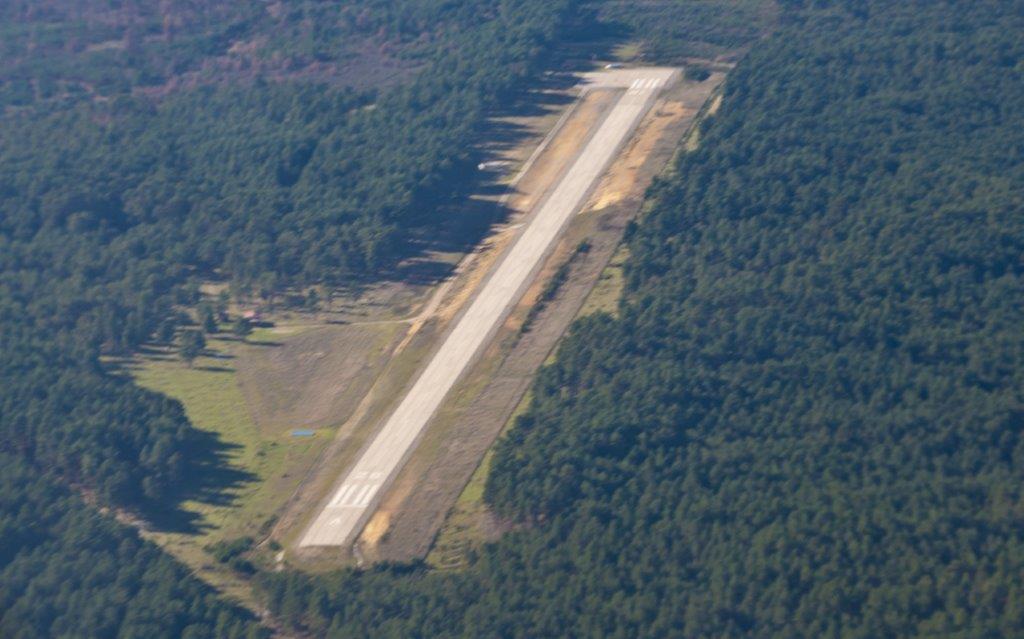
[[465, 527], [628, 52], [604, 297], [271, 464], [469, 524]]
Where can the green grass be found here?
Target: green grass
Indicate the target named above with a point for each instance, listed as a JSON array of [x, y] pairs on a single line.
[[214, 403], [465, 528], [627, 51], [605, 295], [269, 335]]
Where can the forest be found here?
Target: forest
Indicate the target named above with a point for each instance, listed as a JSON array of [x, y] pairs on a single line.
[[241, 180], [173, 162], [806, 420], [66, 51], [111, 212], [677, 33], [68, 571]]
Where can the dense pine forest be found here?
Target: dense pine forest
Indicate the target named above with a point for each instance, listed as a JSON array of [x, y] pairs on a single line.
[[807, 419], [677, 33], [67, 571]]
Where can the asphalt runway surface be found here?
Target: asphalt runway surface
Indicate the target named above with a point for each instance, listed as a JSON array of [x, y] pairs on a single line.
[[357, 496]]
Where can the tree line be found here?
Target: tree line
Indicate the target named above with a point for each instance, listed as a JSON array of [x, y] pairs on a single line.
[[68, 571]]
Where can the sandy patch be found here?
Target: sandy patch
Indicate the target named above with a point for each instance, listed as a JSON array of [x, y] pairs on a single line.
[[621, 180], [375, 529]]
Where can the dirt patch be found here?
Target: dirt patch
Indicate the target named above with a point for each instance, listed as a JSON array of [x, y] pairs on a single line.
[[314, 379], [715, 104], [620, 182], [375, 528]]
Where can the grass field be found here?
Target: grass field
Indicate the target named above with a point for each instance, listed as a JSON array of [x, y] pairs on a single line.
[[469, 524], [466, 527], [604, 297], [213, 402]]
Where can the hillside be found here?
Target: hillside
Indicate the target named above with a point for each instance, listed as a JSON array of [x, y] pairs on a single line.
[[806, 418]]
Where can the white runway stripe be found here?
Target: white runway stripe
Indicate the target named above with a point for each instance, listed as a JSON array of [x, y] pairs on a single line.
[[365, 499], [343, 492], [363, 494], [643, 85]]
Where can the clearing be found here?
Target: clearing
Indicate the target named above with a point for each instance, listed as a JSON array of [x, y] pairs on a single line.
[[239, 392]]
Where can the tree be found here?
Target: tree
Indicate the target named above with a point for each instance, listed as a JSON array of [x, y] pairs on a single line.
[[312, 299], [208, 319], [165, 332], [192, 345], [242, 328], [223, 299]]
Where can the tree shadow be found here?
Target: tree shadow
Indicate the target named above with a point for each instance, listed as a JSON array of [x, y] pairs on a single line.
[[208, 478], [215, 369], [459, 218], [424, 271]]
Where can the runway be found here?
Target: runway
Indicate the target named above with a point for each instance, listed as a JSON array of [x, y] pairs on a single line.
[[355, 499]]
